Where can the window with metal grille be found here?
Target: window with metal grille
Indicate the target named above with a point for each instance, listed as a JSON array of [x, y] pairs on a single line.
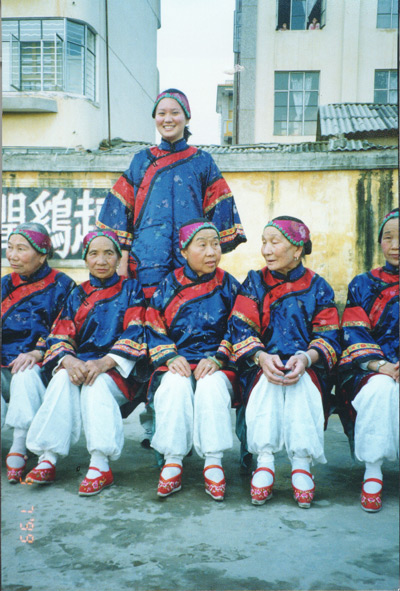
[[385, 86], [387, 14], [296, 103], [49, 55]]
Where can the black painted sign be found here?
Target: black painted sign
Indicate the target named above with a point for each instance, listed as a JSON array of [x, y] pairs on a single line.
[[68, 214]]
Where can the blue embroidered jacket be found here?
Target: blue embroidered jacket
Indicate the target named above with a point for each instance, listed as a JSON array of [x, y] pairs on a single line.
[[101, 317], [188, 316], [164, 187], [29, 306], [283, 314], [370, 324]]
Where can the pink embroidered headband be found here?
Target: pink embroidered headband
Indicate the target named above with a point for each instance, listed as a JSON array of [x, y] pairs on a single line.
[[97, 234], [176, 94], [393, 214], [36, 235], [188, 231], [294, 230]]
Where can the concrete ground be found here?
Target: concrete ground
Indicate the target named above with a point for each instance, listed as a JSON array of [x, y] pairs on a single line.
[[127, 539]]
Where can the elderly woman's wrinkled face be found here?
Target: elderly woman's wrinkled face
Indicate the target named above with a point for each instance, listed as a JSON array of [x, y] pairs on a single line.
[[204, 252], [390, 241], [102, 258], [279, 254], [23, 258]]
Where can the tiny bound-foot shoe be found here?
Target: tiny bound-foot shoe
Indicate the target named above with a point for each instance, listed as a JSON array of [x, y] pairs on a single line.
[[371, 502], [215, 489], [170, 485], [260, 494], [92, 486], [303, 497], [15, 474], [42, 475]]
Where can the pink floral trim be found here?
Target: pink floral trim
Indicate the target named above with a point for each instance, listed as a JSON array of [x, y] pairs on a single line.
[[261, 494], [42, 474], [92, 486], [303, 496], [170, 485], [15, 474], [371, 501], [215, 490], [88, 485]]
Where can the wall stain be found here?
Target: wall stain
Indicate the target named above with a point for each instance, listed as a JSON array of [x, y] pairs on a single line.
[[374, 199], [364, 222], [385, 194], [272, 201]]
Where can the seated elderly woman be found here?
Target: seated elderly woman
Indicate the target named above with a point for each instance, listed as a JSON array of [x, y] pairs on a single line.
[[191, 389], [95, 345], [369, 367], [284, 332], [32, 296]]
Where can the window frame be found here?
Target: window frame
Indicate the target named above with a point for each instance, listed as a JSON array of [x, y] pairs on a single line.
[[16, 82], [394, 14], [280, 92], [288, 9], [387, 89]]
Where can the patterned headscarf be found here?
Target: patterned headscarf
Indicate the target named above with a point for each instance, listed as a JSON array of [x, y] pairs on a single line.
[[393, 214], [189, 229], [97, 234], [37, 236], [176, 94], [293, 230]]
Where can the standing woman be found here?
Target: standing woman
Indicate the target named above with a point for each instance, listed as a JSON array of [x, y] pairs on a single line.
[[32, 296], [95, 344], [191, 388], [163, 188], [284, 330], [369, 367]]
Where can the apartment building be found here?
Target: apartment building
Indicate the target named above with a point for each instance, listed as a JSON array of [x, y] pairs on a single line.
[[293, 56], [225, 109], [77, 72]]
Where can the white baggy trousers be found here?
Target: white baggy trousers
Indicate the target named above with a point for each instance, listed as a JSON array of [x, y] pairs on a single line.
[[57, 424], [193, 414], [26, 395], [376, 435], [286, 415]]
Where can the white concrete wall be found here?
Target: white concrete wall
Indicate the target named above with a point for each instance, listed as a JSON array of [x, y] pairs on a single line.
[[132, 30], [80, 122]]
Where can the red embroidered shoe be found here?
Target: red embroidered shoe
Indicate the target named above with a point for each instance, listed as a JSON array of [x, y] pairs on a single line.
[[371, 502], [15, 474], [263, 493], [42, 475], [92, 486], [303, 497], [215, 489], [170, 485]]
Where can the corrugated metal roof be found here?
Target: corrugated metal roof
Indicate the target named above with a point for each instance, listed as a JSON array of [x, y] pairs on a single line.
[[357, 119], [126, 148], [332, 145]]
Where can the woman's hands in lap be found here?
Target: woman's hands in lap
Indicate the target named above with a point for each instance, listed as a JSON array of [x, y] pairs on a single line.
[[181, 366], [76, 369], [205, 367], [25, 361], [96, 367], [276, 372], [85, 372]]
